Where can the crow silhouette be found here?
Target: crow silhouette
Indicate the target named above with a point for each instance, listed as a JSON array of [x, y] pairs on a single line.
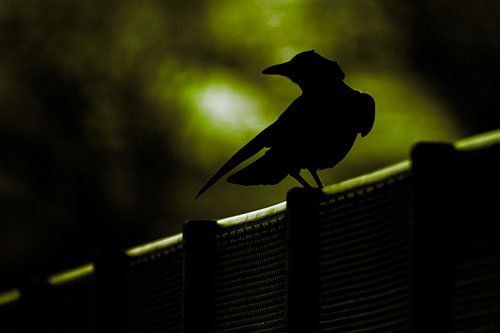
[[315, 132]]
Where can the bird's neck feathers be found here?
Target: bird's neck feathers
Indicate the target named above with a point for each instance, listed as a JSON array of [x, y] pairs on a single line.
[[322, 87]]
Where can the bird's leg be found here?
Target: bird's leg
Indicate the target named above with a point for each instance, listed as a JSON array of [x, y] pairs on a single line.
[[301, 180], [316, 178]]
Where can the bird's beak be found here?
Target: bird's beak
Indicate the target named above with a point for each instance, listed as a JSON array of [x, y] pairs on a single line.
[[281, 69]]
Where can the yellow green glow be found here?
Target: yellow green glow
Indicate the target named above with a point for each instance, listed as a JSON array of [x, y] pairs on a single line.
[[255, 25], [136, 26], [71, 274], [226, 107], [9, 296], [480, 140], [224, 101], [192, 75], [258, 214], [407, 112], [220, 110], [155, 245]]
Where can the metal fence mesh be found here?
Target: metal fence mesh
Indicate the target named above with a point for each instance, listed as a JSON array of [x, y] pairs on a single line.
[[153, 291], [364, 258], [250, 265]]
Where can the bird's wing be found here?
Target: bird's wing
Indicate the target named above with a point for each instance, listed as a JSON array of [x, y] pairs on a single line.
[[262, 140], [367, 109]]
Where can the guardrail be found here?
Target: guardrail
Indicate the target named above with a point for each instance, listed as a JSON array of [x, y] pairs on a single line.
[[410, 248]]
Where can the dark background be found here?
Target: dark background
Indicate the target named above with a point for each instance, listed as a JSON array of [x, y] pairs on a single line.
[[114, 113]]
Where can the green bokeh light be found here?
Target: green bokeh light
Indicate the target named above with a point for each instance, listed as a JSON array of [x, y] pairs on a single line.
[[223, 112], [196, 70]]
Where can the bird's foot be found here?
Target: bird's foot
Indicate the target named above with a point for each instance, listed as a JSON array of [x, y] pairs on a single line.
[[316, 178], [301, 180]]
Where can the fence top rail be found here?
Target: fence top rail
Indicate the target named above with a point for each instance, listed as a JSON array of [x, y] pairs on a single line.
[[253, 216], [71, 274], [370, 178], [479, 141], [473, 142], [154, 245]]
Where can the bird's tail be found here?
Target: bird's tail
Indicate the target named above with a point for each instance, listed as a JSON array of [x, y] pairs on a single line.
[[267, 170], [248, 150]]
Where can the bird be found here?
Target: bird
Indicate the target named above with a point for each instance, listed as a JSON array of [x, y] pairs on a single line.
[[315, 132]]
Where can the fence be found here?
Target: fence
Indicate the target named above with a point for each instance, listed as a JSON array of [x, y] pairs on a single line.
[[410, 248]]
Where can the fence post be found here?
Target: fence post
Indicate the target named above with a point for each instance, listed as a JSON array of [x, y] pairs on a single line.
[[198, 237], [109, 275], [432, 237], [302, 287]]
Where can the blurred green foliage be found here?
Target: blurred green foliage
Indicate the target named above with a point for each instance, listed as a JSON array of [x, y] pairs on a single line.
[[114, 113]]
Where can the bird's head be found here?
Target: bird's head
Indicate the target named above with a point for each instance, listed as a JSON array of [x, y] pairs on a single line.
[[308, 68]]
